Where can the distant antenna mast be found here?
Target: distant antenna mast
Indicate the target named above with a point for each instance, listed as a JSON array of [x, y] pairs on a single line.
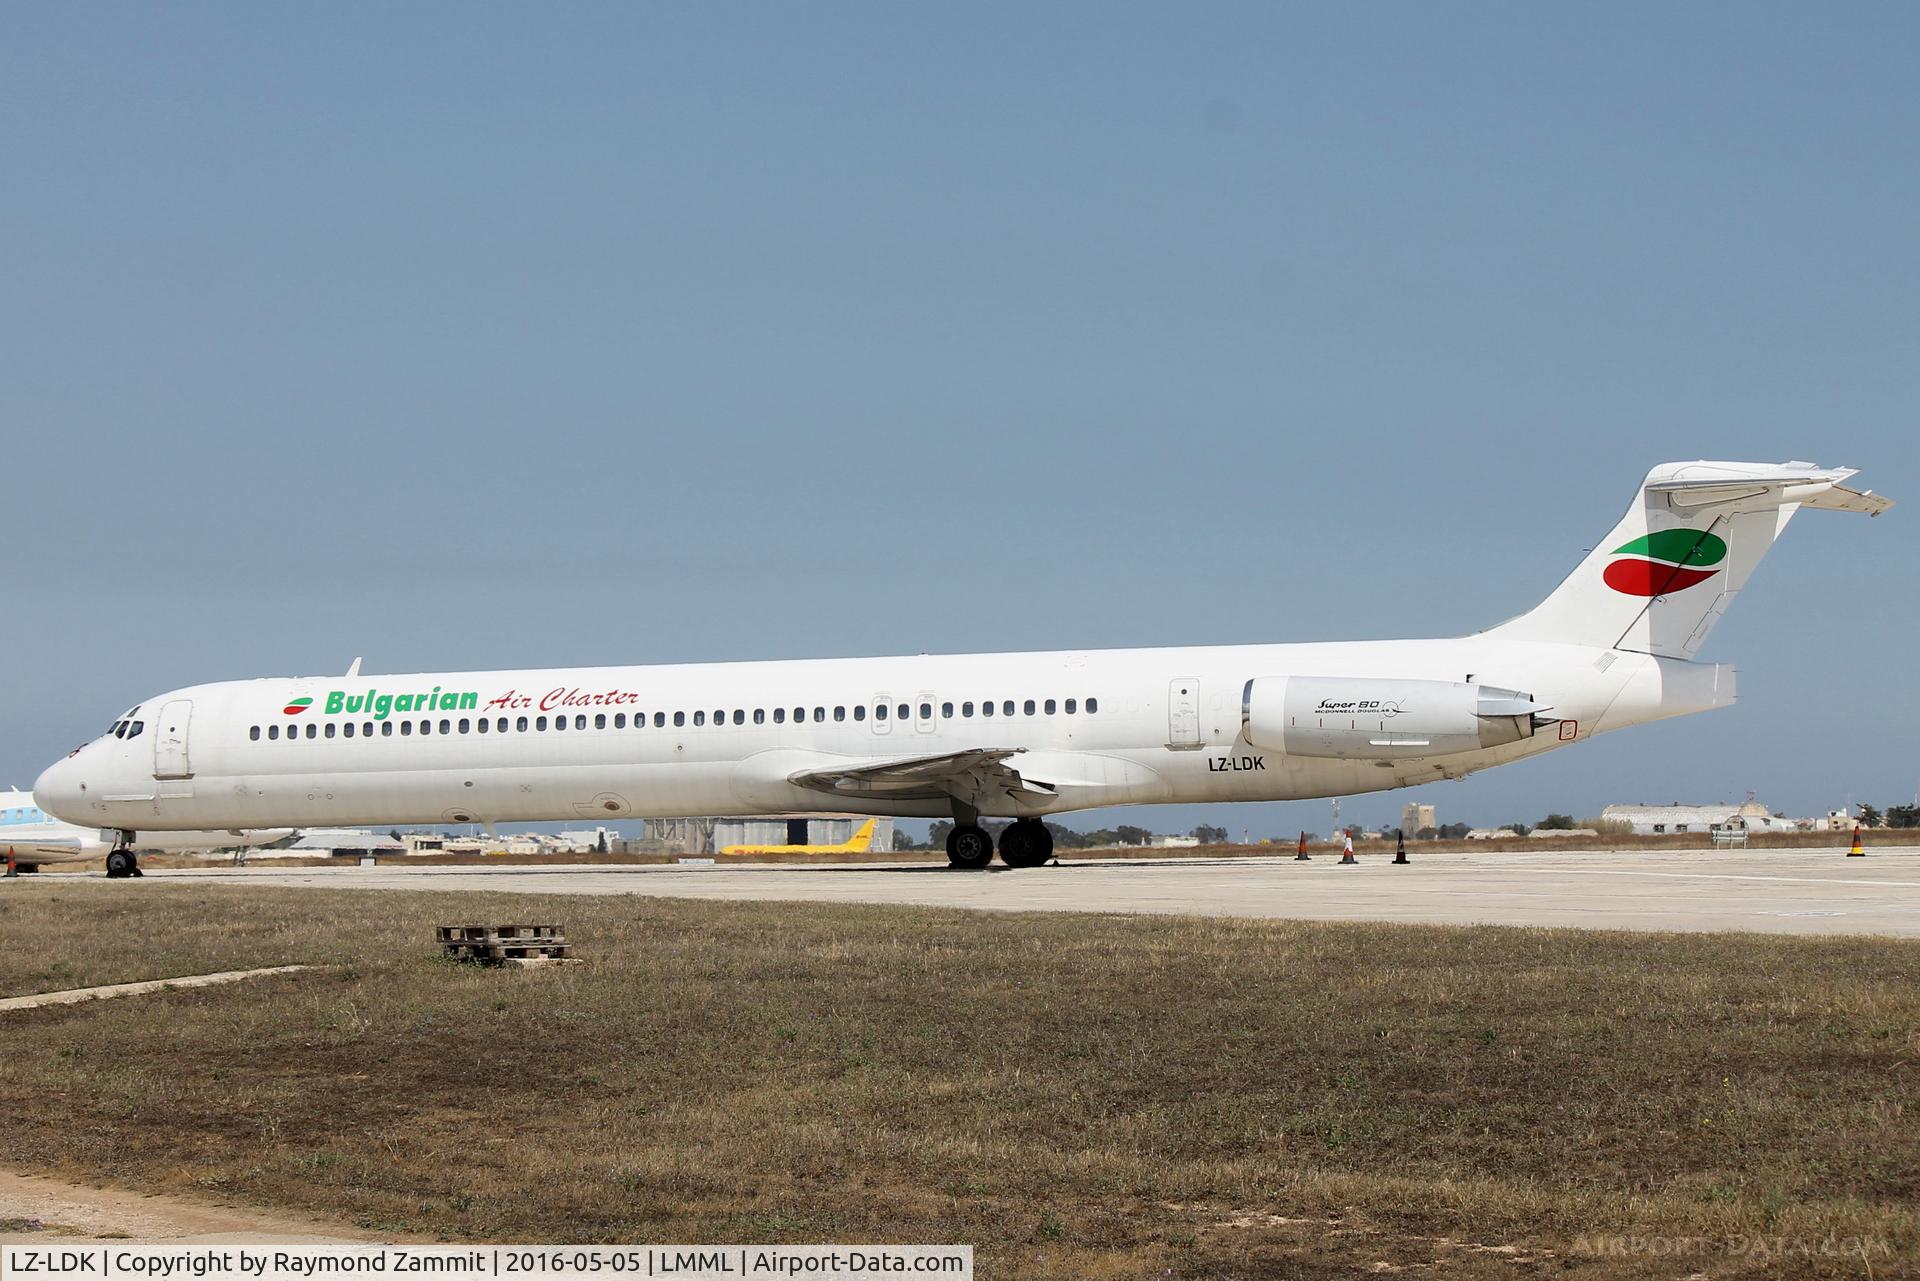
[[1336, 817]]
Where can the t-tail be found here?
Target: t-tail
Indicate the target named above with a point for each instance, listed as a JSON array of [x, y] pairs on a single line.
[[1695, 532]]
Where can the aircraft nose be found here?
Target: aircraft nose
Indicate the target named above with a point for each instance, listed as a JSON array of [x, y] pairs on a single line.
[[60, 791]]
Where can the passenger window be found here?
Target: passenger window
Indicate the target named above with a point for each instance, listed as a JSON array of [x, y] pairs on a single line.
[[539, 723], [859, 711], [386, 729], [700, 718], [840, 713], [1029, 707], [330, 729], [406, 729], [521, 725], [679, 719], [254, 733], [926, 711], [1049, 707], [1006, 708], [879, 711], [313, 731], [619, 720], [273, 732], [986, 708], [466, 725], [966, 708], [903, 711], [739, 716], [946, 710], [779, 716], [1093, 705], [599, 720], [1072, 704], [484, 725], [347, 729], [580, 721], [799, 715], [366, 729], [660, 719], [759, 716], [426, 727], [819, 714], [559, 722]]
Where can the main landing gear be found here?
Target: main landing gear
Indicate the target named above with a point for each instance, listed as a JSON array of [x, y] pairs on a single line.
[[969, 846], [120, 860], [1025, 843]]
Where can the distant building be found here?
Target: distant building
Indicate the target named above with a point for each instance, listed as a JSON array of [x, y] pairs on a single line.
[[1667, 820], [1550, 832], [1176, 842], [1416, 818]]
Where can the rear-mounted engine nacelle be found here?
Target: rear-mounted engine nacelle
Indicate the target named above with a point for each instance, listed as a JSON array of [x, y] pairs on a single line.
[[1368, 718]]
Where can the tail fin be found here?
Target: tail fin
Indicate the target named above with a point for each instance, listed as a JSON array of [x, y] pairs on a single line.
[[1664, 576], [862, 839]]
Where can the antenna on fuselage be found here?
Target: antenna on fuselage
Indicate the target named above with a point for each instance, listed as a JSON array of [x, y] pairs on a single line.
[[355, 669]]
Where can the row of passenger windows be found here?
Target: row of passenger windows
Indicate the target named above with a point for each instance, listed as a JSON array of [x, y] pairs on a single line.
[[722, 716]]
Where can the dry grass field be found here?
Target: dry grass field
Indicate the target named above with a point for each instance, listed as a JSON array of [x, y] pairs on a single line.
[[1078, 1096]]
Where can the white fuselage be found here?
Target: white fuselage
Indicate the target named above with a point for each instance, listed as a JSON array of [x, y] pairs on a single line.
[[33, 836], [1145, 726]]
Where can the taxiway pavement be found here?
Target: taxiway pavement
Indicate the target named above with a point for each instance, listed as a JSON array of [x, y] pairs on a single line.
[[1770, 891]]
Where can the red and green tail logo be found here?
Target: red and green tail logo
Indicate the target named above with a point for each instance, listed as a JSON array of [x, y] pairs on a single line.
[[1669, 561], [298, 706]]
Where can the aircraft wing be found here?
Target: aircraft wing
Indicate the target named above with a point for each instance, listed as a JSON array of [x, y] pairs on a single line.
[[971, 772], [36, 849]]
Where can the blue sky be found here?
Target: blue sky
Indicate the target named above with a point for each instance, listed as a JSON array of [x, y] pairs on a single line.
[[465, 336]]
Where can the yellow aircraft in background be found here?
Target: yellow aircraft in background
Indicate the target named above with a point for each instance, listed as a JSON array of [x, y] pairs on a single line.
[[859, 843]]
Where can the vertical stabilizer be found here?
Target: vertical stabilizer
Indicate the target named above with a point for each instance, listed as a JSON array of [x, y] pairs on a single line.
[[1693, 535]]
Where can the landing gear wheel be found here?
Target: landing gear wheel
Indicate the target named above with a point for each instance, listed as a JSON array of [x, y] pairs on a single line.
[[969, 846], [1026, 843], [120, 863]]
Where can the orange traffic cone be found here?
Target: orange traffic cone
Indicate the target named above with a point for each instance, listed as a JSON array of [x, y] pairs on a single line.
[[13, 869], [1858, 850], [1302, 854], [1346, 849]]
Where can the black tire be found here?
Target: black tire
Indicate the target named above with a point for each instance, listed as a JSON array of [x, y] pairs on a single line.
[[120, 864], [969, 847], [1026, 844]]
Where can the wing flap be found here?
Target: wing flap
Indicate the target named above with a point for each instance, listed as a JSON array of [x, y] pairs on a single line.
[[963, 773]]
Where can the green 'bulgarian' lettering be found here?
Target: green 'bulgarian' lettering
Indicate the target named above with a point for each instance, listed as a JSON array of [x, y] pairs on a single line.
[[379, 706]]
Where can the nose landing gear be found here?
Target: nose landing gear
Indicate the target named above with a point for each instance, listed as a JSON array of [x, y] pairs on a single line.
[[120, 860]]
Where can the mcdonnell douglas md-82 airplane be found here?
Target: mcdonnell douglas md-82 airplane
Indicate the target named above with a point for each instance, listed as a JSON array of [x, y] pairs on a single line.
[[1008, 735]]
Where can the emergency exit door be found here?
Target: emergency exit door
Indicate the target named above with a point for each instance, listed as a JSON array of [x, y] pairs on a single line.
[[1183, 713]]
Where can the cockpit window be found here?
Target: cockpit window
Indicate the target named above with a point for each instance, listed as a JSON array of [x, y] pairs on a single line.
[[133, 730]]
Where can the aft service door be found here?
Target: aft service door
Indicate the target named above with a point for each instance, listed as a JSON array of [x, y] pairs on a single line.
[[170, 744], [1183, 713]]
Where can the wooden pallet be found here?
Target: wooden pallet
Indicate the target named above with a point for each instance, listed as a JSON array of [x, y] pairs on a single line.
[[515, 946]]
